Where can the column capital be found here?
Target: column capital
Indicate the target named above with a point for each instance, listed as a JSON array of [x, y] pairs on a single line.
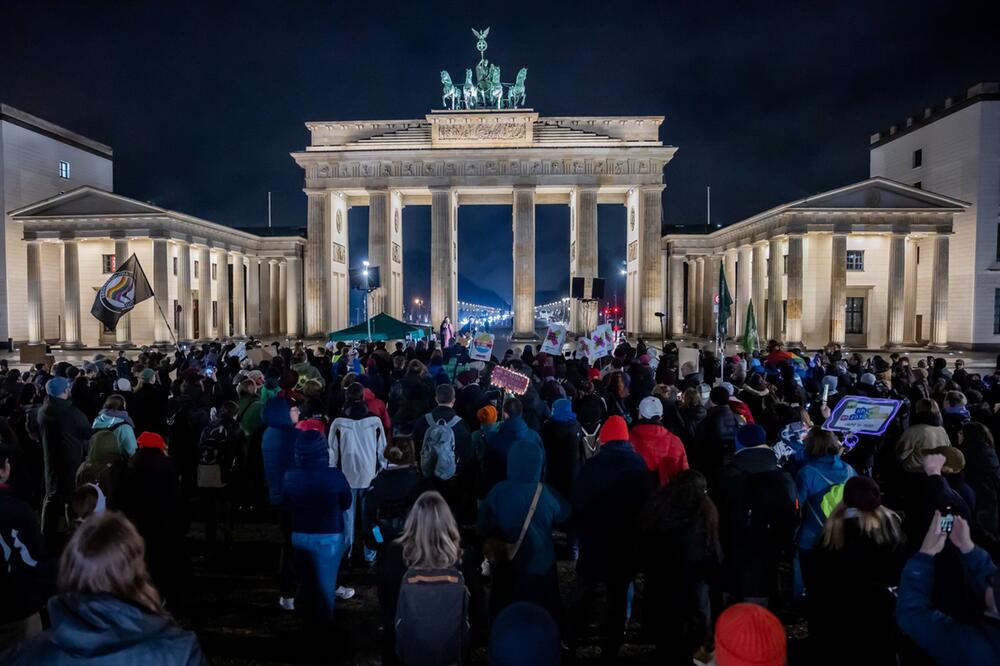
[[524, 188], [659, 187]]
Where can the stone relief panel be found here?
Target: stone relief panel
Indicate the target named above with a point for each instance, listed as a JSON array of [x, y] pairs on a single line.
[[647, 167], [633, 251], [397, 255], [482, 131], [339, 253]]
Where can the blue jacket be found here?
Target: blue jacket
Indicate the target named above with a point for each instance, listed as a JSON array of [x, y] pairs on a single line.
[[315, 494], [512, 429], [608, 497], [814, 480], [942, 637], [277, 445], [507, 505]]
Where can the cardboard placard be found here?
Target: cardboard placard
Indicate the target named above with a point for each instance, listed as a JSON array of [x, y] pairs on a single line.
[[602, 342], [481, 346], [859, 415], [554, 338]]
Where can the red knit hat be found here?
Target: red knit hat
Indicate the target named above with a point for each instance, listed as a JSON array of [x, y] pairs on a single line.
[[614, 430], [749, 635], [151, 440]]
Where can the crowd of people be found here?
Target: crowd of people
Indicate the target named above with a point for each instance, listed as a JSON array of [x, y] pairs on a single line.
[[694, 503]]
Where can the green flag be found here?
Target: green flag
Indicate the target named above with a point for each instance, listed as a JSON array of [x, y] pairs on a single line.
[[725, 305], [751, 342]]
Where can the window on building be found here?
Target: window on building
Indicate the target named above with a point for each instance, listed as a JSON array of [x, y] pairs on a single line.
[[215, 313], [854, 319], [175, 265], [64, 169], [107, 263], [918, 157], [215, 271], [195, 269], [919, 185], [784, 264], [855, 260], [996, 312]]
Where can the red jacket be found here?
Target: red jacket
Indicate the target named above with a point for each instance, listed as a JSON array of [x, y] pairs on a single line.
[[741, 408], [662, 450], [377, 408]]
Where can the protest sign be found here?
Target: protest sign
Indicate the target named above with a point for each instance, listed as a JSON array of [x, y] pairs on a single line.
[[481, 346], [862, 416], [602, 342], [554, 338], [507, 379]]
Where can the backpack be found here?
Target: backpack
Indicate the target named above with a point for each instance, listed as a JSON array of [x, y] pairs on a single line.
[[590, 444], [437, 455], [432, 617], [210, 447], [823, 503]]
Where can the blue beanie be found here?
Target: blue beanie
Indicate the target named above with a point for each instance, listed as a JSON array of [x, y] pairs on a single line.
[[749, 436], [311, 449], [57, 386], [524, 635]]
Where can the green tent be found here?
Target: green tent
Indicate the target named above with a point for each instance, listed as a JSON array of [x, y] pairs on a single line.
[[384, 327]]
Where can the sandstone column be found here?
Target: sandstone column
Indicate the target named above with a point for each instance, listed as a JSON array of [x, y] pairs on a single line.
[[317, 265], [253, 297], [282, 296], [676, 311], [699, 298], [910, 294], [205, 293], [378, 250], [692, 296], [292, 272], [838, 289], [524, 263], [444, 240], [583, 253], [186, 318], [274, 267], [650, 264], [894, 296], [793, 327], [730, 264], [123, 332], [222, 294], [710, 288], [36, 332], [774, 300], [161, 263], [759, 287], [71, 300], [939, 293], [743, 285], [239, 297], [266, 327]]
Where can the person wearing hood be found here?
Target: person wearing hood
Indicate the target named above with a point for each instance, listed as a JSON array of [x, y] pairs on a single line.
[[146, 404], [925, 433], [513, 429], [523, 634], [661, 450], [956, 414], [757, 517], [563, 441], [107, 610], [64, 433], [523, 499], [316, 497], [823, 470], [277, 450], [681, 558], [113, 417], [982, 473], [715, 437], [608, 498]]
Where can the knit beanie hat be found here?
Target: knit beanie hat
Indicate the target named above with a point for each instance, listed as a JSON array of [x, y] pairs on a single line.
[[56, 386], [862, 493], [749, 635], [868, 378], [487, 414], [562, 410], [750, 435], [151, 440], [147, 375], [614, 430]]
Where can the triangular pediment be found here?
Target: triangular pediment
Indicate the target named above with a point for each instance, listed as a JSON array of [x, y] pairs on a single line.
[[85, 201], [878, 193]]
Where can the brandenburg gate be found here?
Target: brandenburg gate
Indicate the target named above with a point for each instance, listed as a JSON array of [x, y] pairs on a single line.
[[480, 149]]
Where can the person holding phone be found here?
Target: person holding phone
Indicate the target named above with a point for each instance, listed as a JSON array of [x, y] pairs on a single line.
[[945, 638]]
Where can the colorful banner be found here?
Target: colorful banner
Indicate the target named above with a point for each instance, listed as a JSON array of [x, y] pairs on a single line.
[[602, 342], [554, 338], [481, 346], [584, 346], [509, 380], [862, 416]]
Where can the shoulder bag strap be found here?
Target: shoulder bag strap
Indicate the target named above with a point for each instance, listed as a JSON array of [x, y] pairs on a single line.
[[527, 521]]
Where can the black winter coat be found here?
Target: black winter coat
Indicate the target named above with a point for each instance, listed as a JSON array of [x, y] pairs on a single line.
[[105, 631], [65, 433], [714, 441], [564, 454]]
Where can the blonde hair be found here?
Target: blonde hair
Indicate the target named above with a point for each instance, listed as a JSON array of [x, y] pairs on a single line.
[[430, 535], [106, 555], [882, 526]]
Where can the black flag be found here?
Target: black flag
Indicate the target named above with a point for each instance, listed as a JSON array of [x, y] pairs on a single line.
[[123, 290]]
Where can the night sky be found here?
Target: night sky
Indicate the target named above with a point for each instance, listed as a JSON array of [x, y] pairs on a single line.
[[766, 101]]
